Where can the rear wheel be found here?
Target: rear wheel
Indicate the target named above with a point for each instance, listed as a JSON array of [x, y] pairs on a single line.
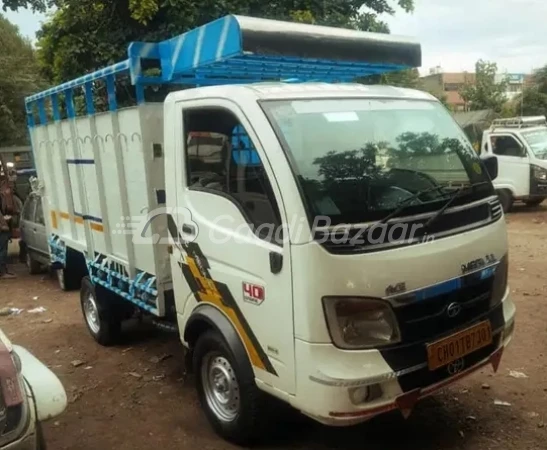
[[506, 200], [67, 280], [33, 266], [101, 313], [535, 201], [227, 391]]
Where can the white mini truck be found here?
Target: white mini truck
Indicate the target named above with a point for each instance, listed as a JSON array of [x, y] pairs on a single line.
[[337, 246], [520, 145]]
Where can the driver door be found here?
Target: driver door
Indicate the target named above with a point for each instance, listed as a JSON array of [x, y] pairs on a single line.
[[513, 163], [232, 197]]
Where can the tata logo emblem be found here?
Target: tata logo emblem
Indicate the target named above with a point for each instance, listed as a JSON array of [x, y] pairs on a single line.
[[453, 310], [456, 367]]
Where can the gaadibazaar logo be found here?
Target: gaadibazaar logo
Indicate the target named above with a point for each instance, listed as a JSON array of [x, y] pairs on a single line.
[[163, 225]]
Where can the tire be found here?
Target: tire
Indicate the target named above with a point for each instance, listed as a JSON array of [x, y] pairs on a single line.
[[101, 313], [535, 201], [506, 200], [33, 266], [22, 252], [67, 282], [244, 418]]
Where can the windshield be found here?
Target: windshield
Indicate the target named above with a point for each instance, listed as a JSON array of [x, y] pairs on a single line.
[[357, 159], [537, 140]]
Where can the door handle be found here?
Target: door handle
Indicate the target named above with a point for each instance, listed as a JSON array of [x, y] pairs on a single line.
[[276, 262], [188, 229]]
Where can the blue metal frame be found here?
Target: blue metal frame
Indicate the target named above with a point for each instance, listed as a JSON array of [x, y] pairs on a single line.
[[218, 53], [140, 291], [57, 250]]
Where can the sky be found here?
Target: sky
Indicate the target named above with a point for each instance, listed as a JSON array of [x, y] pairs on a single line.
[[454, 33]]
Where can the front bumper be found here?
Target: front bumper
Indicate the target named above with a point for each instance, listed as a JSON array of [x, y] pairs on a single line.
[[324, 391]]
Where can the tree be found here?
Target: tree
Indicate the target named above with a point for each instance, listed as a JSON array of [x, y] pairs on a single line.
[[84, 35], [533, 100], [408, 78], [35, 5], [18, 78], [484, 93]]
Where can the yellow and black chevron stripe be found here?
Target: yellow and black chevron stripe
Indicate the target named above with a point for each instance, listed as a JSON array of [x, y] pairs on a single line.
[[195, 269]]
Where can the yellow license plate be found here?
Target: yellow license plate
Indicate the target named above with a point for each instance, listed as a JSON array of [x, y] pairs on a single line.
[[452, 348]]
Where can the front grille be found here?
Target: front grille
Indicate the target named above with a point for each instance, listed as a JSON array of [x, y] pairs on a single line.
[[412, 354], [424, 319], [496, 210]]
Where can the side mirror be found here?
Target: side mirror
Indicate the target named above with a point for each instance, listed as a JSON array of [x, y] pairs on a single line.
[[491, 165]]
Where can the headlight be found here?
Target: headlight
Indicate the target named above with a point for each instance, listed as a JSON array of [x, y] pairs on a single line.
[[359, 323], [499, 285], [539, 173]]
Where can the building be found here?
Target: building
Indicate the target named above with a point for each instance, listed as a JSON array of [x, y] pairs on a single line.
[[516, 82], [450, 83]]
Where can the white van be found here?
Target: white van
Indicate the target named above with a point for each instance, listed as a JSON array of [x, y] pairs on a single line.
[[336, 246], [520, 145]]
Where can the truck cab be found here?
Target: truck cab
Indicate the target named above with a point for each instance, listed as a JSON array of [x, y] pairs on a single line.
[[520, 146]]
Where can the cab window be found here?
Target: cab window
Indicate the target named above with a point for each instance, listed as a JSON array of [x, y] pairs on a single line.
[[222, 159], [507, 146], [39, 216]]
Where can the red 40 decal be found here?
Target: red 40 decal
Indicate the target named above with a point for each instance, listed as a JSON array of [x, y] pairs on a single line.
[[253, 293]]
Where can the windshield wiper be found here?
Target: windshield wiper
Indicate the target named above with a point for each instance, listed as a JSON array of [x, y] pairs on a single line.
[[404, 204], [457, 194]]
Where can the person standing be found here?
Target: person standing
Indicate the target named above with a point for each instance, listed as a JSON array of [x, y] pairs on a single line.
[[7, 209]]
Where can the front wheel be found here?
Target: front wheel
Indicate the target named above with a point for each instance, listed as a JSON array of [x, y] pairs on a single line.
[[506, 200], [233, 404], [101, 313]]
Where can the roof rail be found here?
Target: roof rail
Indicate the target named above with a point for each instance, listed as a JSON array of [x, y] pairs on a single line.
[[239, 49], [520, 122]]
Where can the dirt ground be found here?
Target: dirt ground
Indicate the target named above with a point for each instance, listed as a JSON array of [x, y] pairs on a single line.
[[137, 396]]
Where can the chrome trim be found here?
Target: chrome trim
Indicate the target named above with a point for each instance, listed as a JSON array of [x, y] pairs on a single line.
[[361, 382], [413, 218], [406, 293]]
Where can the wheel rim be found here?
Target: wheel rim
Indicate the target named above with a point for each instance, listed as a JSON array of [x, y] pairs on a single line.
[[61, 278], [29, 261], [92, 314], [220, 387]]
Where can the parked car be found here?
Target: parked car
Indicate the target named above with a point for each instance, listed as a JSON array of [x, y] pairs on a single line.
[[30, 395], [34, 244]]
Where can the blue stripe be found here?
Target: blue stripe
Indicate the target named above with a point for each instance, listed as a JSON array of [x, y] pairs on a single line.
[[89, 218], [439, 289], [451, 285], [80, 161]]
